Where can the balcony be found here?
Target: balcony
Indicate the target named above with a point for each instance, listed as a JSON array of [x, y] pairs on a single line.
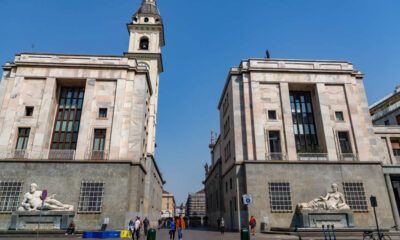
[[312, 156], [397, 159], [276, 156], [348, 157], [96, 155], [56, 154]]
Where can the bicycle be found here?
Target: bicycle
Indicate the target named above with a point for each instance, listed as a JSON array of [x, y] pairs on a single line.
[[370, 235]]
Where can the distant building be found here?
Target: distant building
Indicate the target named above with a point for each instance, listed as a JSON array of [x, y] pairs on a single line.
[[386, 111], [196, 204], [180, 211], [168, 205]]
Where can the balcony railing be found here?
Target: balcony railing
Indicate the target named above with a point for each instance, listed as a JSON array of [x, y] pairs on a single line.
[[96, 155], [276, 156], [20, 154], [397, 159], [312, 156], [348, 157], [56, 154]]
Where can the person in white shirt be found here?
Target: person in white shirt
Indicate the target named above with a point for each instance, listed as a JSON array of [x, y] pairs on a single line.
[[138, 224]]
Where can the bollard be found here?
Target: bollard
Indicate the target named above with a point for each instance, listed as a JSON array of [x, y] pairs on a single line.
[[151, 234], [323, 230], [333, 232], [244, 234]]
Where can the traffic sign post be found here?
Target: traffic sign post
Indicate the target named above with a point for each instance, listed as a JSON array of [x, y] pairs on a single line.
[[247, 199], [374, 204], [43, 197]]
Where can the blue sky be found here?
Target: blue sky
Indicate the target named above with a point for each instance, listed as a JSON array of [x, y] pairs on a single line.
[[203, 40]]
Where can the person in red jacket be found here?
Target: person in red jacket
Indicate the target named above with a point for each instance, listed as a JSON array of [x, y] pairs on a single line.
[[253, 224], [180, 225]]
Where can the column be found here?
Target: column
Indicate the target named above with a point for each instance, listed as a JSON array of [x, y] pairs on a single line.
[[392, 199], [45, 121], [392, 159], [326, 122], [287, 122]]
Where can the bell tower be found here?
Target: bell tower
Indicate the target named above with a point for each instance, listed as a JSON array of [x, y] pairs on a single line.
[[146, 38]]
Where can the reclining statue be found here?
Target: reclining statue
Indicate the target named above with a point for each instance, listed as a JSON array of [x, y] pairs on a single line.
[[33, 202], [332, 201]]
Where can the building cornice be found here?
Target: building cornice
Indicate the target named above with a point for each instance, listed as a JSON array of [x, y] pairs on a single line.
[[150, 56]]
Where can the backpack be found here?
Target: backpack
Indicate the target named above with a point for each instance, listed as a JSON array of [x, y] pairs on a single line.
[[253, 222]]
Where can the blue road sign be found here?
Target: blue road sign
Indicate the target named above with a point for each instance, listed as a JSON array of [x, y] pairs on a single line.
[[44, 194]]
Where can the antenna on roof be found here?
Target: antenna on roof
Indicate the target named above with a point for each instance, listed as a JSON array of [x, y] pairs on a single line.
[[268, 56]]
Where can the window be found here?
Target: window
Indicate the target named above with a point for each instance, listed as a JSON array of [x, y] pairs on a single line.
[[65, 135], [146, 19], [226, 186], [226, 104], [227, 127], [91, 196], [102, 112], [28, 111], [230, 183], [398, 119], [339, 116], [355, 196], [303, 121], [279, 196], [344, 142], [23, 137], [98, 144], [387, 123], [271, 114], [10, 192], [274, 142], [144, 44], [227, 150]]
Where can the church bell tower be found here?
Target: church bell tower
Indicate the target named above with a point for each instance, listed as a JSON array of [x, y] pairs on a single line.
[[146, 38]]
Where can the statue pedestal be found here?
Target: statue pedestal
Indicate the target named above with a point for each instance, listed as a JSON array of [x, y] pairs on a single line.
[[317, 218], [28, 220]]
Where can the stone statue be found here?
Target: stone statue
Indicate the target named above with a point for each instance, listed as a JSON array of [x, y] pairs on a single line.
[[32, 202], [332, 201]]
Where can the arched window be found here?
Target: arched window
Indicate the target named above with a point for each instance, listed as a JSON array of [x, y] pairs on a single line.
[[144, 43]]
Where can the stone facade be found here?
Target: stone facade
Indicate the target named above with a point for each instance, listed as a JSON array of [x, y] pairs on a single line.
[[168, 205], [267, 108], [66, 119]]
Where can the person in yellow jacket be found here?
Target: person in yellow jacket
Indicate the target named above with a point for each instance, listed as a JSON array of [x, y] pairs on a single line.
[[180, 225]]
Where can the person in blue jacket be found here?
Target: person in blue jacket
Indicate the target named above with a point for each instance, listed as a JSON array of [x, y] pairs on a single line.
[[172, 229]]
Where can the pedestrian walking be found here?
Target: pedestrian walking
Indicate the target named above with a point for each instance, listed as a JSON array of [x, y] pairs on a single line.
[[146, 224], [131, 228], [222, 227], [159, 224], [137, 228], [172, 229], [218, 222], [253, 224], [180, 225]]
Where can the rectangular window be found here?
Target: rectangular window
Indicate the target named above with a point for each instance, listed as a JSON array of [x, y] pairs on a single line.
[[226, 186], [102, 112], [280, 197], [10, 192], [28, 111], [230, 183], [23, 137], [274, 145], [398, 119], [387, 123], [65, 135], [272, 115], [339, 116], [227, 151], [344, 142], [303, 121], [355, 196], [91, 197], [227, 127], [99, 140]]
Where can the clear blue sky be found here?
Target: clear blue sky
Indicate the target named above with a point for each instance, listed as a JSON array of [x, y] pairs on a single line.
[[204, 38]]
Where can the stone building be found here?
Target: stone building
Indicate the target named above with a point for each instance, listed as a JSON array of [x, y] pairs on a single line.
[[196, 205], [289, 130], [168, 205], [180, 210], [83, 127]]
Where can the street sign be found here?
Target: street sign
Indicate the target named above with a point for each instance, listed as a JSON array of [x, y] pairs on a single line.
[[44, 195], [247, 199], [374, 203]]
